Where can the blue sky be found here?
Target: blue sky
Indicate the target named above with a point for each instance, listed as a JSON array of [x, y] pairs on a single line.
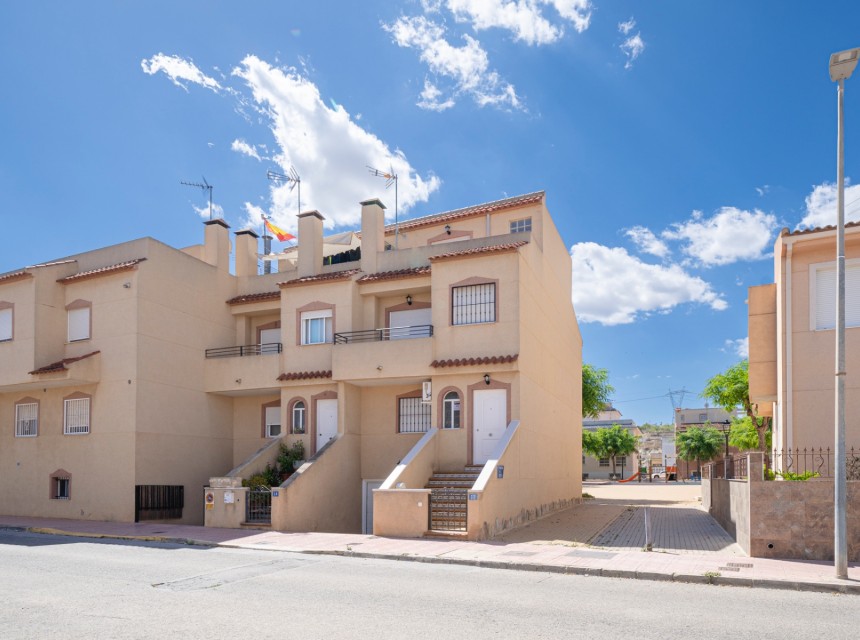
[[674, 139]]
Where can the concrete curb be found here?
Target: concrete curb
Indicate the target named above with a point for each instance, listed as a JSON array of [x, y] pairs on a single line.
[[716, 580]]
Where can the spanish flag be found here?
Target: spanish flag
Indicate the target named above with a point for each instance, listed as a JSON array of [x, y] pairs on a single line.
[[280, 234]]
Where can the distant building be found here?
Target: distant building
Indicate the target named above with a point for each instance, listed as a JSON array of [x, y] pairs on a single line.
[[625, 466], [715, 417]]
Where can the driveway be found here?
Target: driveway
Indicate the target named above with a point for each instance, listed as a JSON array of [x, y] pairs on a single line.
[[614, 520]]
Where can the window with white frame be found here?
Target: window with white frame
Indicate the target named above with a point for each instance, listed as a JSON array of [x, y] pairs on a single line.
[[27, 420], [273, 422], [79, 324], [604, 462], [5, 322], [473, 304], [822, 284], [316, 326], [451, 410], [76, 416], [299, 415], [413, 416], [518, 226]]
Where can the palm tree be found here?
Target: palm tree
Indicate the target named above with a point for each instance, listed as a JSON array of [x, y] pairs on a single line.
[[699, 444]]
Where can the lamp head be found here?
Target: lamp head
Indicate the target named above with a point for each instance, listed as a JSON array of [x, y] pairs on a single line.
[[842, 64]]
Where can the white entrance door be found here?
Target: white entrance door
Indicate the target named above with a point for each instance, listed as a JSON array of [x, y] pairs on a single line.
[[367, 511], [489, 420], [326, 421], [399, 321]]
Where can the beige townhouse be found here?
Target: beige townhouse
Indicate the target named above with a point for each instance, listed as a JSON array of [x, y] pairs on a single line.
[[431, 370], [792, 342]]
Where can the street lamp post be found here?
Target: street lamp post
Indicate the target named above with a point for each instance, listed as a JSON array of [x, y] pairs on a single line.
[[842, 65]]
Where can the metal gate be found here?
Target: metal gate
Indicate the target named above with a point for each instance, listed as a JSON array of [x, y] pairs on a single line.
[[258, 509]]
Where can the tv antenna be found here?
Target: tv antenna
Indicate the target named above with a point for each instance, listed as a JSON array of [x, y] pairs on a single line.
[[205, 186], [390, 178], [291, 178]]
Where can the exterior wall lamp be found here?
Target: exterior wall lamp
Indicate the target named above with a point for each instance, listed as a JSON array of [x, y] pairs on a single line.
[[448, 229], [409, 300], [487, 379]]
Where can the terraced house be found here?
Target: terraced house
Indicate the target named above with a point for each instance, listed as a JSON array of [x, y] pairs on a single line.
[[432, 372]]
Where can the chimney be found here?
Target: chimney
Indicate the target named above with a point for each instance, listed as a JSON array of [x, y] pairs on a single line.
[[216, 243], [310, 243], [372, 234], [246, 253]]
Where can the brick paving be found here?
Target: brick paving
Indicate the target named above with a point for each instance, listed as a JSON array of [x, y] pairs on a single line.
[[604, 536]]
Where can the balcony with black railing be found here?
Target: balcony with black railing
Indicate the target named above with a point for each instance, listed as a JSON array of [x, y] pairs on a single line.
[[246, 350], [387, 333]]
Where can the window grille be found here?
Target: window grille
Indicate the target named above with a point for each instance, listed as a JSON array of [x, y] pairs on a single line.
[[26, 420], [518, 226], [299, 417], [62, 488], [76, 418], [451, 411], [604, 462], [474, 304], [414, 416]]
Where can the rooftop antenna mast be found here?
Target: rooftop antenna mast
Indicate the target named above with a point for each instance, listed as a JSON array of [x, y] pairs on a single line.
[[291, 178], [390, 178], [205, 186]]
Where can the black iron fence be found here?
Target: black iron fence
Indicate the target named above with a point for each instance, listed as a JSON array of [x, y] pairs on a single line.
[[392, 333], [158, 501], [258, 509], [821, 461], [245, 350]]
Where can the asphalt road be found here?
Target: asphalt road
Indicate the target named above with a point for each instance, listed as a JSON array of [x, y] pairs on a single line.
[[61, 587]]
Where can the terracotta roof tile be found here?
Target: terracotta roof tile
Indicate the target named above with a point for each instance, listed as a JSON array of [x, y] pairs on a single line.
[[469, 362], [496, 248], [830, 227], [255, 297], [92, 273], [60, 365], [304, 375], [15, 275], [393, 275], [323, 277], [468, 212]]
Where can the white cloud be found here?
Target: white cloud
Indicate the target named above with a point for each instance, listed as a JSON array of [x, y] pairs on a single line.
[[523, 18], [633, 45], [627, 27], [612, 287], [647, 242], [762, 190], [466, 68], [243, 147], [729, 236], [327, 148], [203, 212], [821, 205], [179, 70], [740, 347]]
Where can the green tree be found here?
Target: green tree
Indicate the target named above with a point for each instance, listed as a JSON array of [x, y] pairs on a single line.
[[595, 390], [699, 444], [730, 390], [609, 442]]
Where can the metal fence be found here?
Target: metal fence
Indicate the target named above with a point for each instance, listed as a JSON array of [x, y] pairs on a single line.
[[158, 501], [388, 333], [245, 350], [727, 468], [821, 461], [258, 509]]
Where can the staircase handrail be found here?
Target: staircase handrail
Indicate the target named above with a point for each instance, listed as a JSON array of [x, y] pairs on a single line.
[[393, 477]]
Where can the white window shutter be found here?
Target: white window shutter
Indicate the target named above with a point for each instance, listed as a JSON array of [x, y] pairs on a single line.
[[79, 324], [5, 324]]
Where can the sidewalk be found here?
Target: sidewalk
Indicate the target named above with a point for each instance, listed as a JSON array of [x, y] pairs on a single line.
[[603, 537]]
